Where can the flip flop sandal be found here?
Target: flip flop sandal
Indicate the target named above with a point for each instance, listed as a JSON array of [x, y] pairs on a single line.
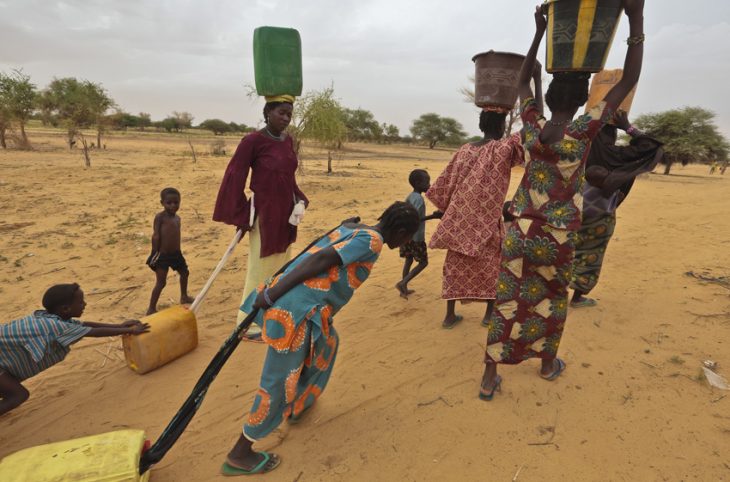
[[559, 371], [252, 338], [269, 463], [253, 334], [584, 303], [456, 322]]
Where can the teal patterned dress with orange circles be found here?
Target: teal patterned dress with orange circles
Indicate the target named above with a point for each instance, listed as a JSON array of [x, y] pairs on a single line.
[[537, 252], [298, 329]]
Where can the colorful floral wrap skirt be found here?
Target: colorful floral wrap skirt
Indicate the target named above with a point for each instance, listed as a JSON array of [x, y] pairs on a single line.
[[590, 247], [532, 293], [292, 381], [302, 343]]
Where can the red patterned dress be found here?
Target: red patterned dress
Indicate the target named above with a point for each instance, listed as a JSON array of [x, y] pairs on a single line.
[[470, 192], [537, 253]]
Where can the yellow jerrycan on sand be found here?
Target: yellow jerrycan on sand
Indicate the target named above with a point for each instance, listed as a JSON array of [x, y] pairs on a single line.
[[173, 331], [108, 457]]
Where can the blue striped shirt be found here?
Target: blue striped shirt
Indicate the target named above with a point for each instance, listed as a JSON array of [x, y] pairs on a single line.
[[33, 343]]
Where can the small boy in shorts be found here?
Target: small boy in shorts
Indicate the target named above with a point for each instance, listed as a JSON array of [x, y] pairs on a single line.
[[415, 249], [166, 251], [38, 341]]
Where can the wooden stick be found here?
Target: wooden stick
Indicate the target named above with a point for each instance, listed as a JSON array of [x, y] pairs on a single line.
[[199, 299], [192, 149], [106, 357], [102, 354]]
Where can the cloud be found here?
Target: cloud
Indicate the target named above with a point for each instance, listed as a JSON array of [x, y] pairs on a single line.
[[398, 59]]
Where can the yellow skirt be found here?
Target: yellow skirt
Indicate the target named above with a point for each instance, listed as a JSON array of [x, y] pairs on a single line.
[[259, 269]]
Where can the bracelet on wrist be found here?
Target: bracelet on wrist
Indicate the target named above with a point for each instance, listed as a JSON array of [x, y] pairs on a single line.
[[636, 40], [267, 299]]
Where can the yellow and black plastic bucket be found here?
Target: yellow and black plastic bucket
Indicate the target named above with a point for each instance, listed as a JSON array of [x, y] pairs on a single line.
[[580, 33]]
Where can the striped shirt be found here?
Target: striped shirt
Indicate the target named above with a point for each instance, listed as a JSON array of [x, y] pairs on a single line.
[[33, 343]]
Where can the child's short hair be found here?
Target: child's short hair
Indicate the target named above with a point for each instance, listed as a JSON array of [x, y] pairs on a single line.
[[401, 215], [415, 176], [167, 191], [58, 295]]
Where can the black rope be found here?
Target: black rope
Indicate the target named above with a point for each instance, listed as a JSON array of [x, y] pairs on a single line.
[[187, 411]]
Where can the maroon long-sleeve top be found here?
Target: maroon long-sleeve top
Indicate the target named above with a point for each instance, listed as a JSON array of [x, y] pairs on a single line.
[[273, 166]]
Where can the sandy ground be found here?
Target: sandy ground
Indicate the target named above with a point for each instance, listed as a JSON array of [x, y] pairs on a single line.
[[402, 403]]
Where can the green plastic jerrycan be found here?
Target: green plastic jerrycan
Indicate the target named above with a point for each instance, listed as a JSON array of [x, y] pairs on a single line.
[[277, 60]]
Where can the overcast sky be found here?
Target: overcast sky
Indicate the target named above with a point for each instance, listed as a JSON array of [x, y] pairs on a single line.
[[396, 58]]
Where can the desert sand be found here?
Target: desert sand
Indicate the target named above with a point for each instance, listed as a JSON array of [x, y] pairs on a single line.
[[402, 403]]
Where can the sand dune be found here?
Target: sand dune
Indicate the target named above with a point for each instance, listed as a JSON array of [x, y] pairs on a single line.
[[402, 402]]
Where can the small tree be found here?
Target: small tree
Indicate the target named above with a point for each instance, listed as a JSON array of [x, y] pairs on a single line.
[[432, 129], [242, 128], [318, 116], [99, 103], [46, 109], [144, 120], [361, 125], [67, 99], [217, 126], [4, 124], [168, 123], [688, 134], [123, 120], [390, 133], [184, 120], [17, 102]]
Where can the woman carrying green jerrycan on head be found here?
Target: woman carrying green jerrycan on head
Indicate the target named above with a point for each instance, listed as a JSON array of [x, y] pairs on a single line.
[[268, 216], [537, 253]]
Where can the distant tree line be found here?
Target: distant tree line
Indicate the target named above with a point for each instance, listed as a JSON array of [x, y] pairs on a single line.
[[73, 105], [689, 134]]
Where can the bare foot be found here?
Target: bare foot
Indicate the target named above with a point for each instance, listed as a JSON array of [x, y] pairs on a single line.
[[151, 311], [185, 300], [402, 289]]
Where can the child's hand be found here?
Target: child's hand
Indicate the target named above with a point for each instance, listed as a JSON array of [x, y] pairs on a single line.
[[438, 214], [130, 323], [621, 119], [152, 260], [139, 329]]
